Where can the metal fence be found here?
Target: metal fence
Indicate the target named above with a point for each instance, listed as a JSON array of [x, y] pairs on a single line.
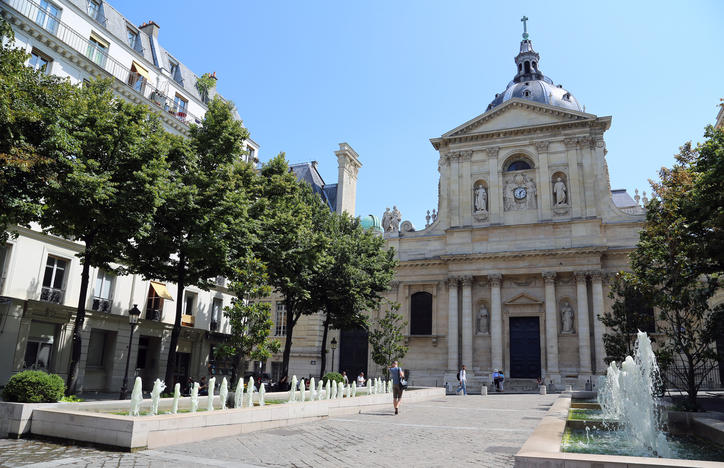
[[673, 379]]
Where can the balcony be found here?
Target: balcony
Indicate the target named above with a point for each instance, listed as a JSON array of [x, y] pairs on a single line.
[[214, 325], [187, 320], [153, 314], [101, 305], [46, 20], [52, 295]]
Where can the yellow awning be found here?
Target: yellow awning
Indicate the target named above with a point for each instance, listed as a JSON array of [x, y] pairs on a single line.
[[141, 71], [161, 290]]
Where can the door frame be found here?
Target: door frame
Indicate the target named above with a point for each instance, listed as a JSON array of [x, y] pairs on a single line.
[[523, 305]]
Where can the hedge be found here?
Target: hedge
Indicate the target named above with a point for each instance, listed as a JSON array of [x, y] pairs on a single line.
[[34, 386]]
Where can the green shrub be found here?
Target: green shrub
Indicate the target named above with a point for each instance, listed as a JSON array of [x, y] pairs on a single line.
[[33, 386], [71, 399], [336, 376]]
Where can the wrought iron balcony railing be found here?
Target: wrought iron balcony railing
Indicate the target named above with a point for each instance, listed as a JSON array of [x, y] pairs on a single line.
[[153, 314], [44, 18], [101, 305], [52, 295]]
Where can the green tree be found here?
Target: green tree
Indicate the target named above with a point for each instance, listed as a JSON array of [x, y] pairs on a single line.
[[200, 229], [356, 272], [670, 270], [106, 188], [291, 247], [387, 338], [32, 106], [249, 318]]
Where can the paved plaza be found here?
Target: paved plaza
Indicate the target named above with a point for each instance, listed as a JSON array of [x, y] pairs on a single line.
[[455, 430]]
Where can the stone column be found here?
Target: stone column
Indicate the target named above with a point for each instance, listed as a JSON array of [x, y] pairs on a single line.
[[549, 278], [452, 324], [467, 324], [598, 328], [584, 341], [496, 322]]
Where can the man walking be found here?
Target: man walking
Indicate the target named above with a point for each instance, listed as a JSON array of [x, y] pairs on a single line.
[[462, 378], [396, 374]]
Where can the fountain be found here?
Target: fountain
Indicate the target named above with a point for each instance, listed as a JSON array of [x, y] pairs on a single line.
[[349, 390], [340, 390], [389, 386], [136, 398], [335, 387], [302, 391], [210, 399], [312, 395], [354, 389], [319, 390], [176, 396], [158, 387], [239, 393], [195, 397], [328, 390], [369, 387], [223, 392], [250, 393], [293, 390], [262, 392]]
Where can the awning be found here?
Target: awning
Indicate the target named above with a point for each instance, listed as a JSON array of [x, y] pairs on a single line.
[[141, 71], [161, 290]]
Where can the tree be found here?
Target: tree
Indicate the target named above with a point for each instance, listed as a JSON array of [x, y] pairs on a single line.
[[351, 282], [386, 339], [671, 271], [291, 246], [32, 107], [250, 319], [197, 232], [105, 191]]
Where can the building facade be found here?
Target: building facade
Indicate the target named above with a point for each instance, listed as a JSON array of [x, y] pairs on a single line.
[[511, 273], [40, 274]]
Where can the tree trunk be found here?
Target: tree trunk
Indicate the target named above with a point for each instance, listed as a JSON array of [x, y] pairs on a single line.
[[171, 364], [691, 386], [323, 352], [72, 379], [288, 341]]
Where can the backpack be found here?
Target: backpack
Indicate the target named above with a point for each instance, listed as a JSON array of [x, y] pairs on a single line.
[[458, 376]]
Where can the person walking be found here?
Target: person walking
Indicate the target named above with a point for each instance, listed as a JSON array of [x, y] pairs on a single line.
[[463, 379], [496, 380], [396, 374]]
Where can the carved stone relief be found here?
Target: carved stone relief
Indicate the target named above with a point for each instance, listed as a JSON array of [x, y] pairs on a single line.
[[519, 192]]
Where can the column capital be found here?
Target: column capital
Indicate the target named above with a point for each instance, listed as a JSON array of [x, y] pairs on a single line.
[[580, 276], [541, 146], [466, 280], [549, 276], [495, 279], [493, 151], [596, 275], [571, 143], [394, 284], [452, 282]]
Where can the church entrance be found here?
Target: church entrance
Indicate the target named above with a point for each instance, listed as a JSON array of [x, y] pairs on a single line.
[[525, 348], [352, 352]]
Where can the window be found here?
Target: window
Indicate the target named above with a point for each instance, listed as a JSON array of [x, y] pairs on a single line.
[[251, 153], [157, 292], [173, 68], [53, 280], [138, 77], [132, 37], [103, 292], [94, 7], [216, 308], [4, 257], [39, 61], [96, 346], [97, 50], [518, 165], [421, 314], [47, 16], [39, 348], [281, 320], [189, 303], [180, 105]]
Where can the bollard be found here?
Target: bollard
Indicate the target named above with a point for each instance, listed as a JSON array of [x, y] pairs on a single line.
[[483, 390], [542, 389]]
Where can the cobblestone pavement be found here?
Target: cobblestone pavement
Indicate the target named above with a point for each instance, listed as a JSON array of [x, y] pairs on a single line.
[[456, 430]]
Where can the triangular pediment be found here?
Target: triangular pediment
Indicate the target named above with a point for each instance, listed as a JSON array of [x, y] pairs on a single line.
[[518, 113], [523, 299]]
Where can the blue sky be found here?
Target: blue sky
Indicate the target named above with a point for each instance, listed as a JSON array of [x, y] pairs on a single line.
[[386, 76]]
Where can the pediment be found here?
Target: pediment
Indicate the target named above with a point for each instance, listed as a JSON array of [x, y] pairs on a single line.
[[518, 113], [523, 299]]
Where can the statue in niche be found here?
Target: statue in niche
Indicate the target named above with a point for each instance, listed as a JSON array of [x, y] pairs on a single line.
[[566, 317], [483, 317], [481, 199], [560, 192], [395, 219], [530, 192], [386, 220]]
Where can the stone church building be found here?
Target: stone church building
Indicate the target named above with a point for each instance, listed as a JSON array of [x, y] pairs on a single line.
[[513, 271]]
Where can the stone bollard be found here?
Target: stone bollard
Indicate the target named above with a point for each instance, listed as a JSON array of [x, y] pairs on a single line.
[[484, 390], [542, 389]]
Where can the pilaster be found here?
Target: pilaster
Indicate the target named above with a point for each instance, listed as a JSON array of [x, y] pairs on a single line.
[[544, 182], [467, 322], [575, 196], [452, 324], [496, 322], [598, 328], [495, 192], [551, 321], [584, 340]]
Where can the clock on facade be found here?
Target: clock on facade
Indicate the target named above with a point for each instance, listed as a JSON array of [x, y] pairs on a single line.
[[519, 193]]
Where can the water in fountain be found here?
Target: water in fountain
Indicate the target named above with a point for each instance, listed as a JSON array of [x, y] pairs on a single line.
[[349, 390], [302, 391], [136, 397], [628, 395], [262, 392], [239, 393], [210, 399], [340, 390], [312, 395], [223, 392], [320, 394], [158, 387], [195, 397], [334, 390], [250, 393], [328, 390], [369, 386], [176, 396], [354, 389], [293, 390]]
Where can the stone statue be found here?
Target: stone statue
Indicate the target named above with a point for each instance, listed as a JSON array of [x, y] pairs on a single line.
[[483, 319], [481, 199], [395, 219], [386, 220], [566, 318], [531, 192], [559, 190]]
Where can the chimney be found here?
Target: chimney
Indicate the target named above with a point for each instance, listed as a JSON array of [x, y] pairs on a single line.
[[315, 164], [150, 28]]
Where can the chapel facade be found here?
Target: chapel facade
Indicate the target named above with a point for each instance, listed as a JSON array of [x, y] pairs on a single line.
[[513, 270]]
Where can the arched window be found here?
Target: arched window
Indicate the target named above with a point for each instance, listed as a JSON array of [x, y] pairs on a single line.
[[527, 67], [520, 67], [518, 165], [421, 314]]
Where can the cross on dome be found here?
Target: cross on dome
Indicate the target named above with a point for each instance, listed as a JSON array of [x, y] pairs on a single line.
[[524, 19]]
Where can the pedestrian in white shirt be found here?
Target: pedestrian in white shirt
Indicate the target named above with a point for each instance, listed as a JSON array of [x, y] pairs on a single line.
[[462, 378]]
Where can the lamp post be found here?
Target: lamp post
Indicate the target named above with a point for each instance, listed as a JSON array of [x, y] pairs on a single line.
[[133, 316], [333, 345]]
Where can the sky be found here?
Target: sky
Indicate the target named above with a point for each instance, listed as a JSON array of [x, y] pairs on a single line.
[[386, 76]]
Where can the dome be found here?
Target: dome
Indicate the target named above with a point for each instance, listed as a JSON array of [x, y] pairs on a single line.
[[530, 83], [371, 222]]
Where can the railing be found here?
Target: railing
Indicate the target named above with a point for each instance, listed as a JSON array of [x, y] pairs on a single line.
[[674, 378], [214, 325], [101, 305], [52, 24], [52, 295]]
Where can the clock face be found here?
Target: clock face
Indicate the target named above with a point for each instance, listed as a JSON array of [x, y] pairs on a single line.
[[519, 193]]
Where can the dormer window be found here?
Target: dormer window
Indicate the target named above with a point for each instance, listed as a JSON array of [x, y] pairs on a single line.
[[94, 6], [173, 68], [526, 93], [567, 96]]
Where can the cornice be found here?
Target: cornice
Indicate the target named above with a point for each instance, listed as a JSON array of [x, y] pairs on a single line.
[[467, 258]]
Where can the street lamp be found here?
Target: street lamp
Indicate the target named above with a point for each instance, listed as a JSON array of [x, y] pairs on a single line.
[[133, 316], [333, 345]]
